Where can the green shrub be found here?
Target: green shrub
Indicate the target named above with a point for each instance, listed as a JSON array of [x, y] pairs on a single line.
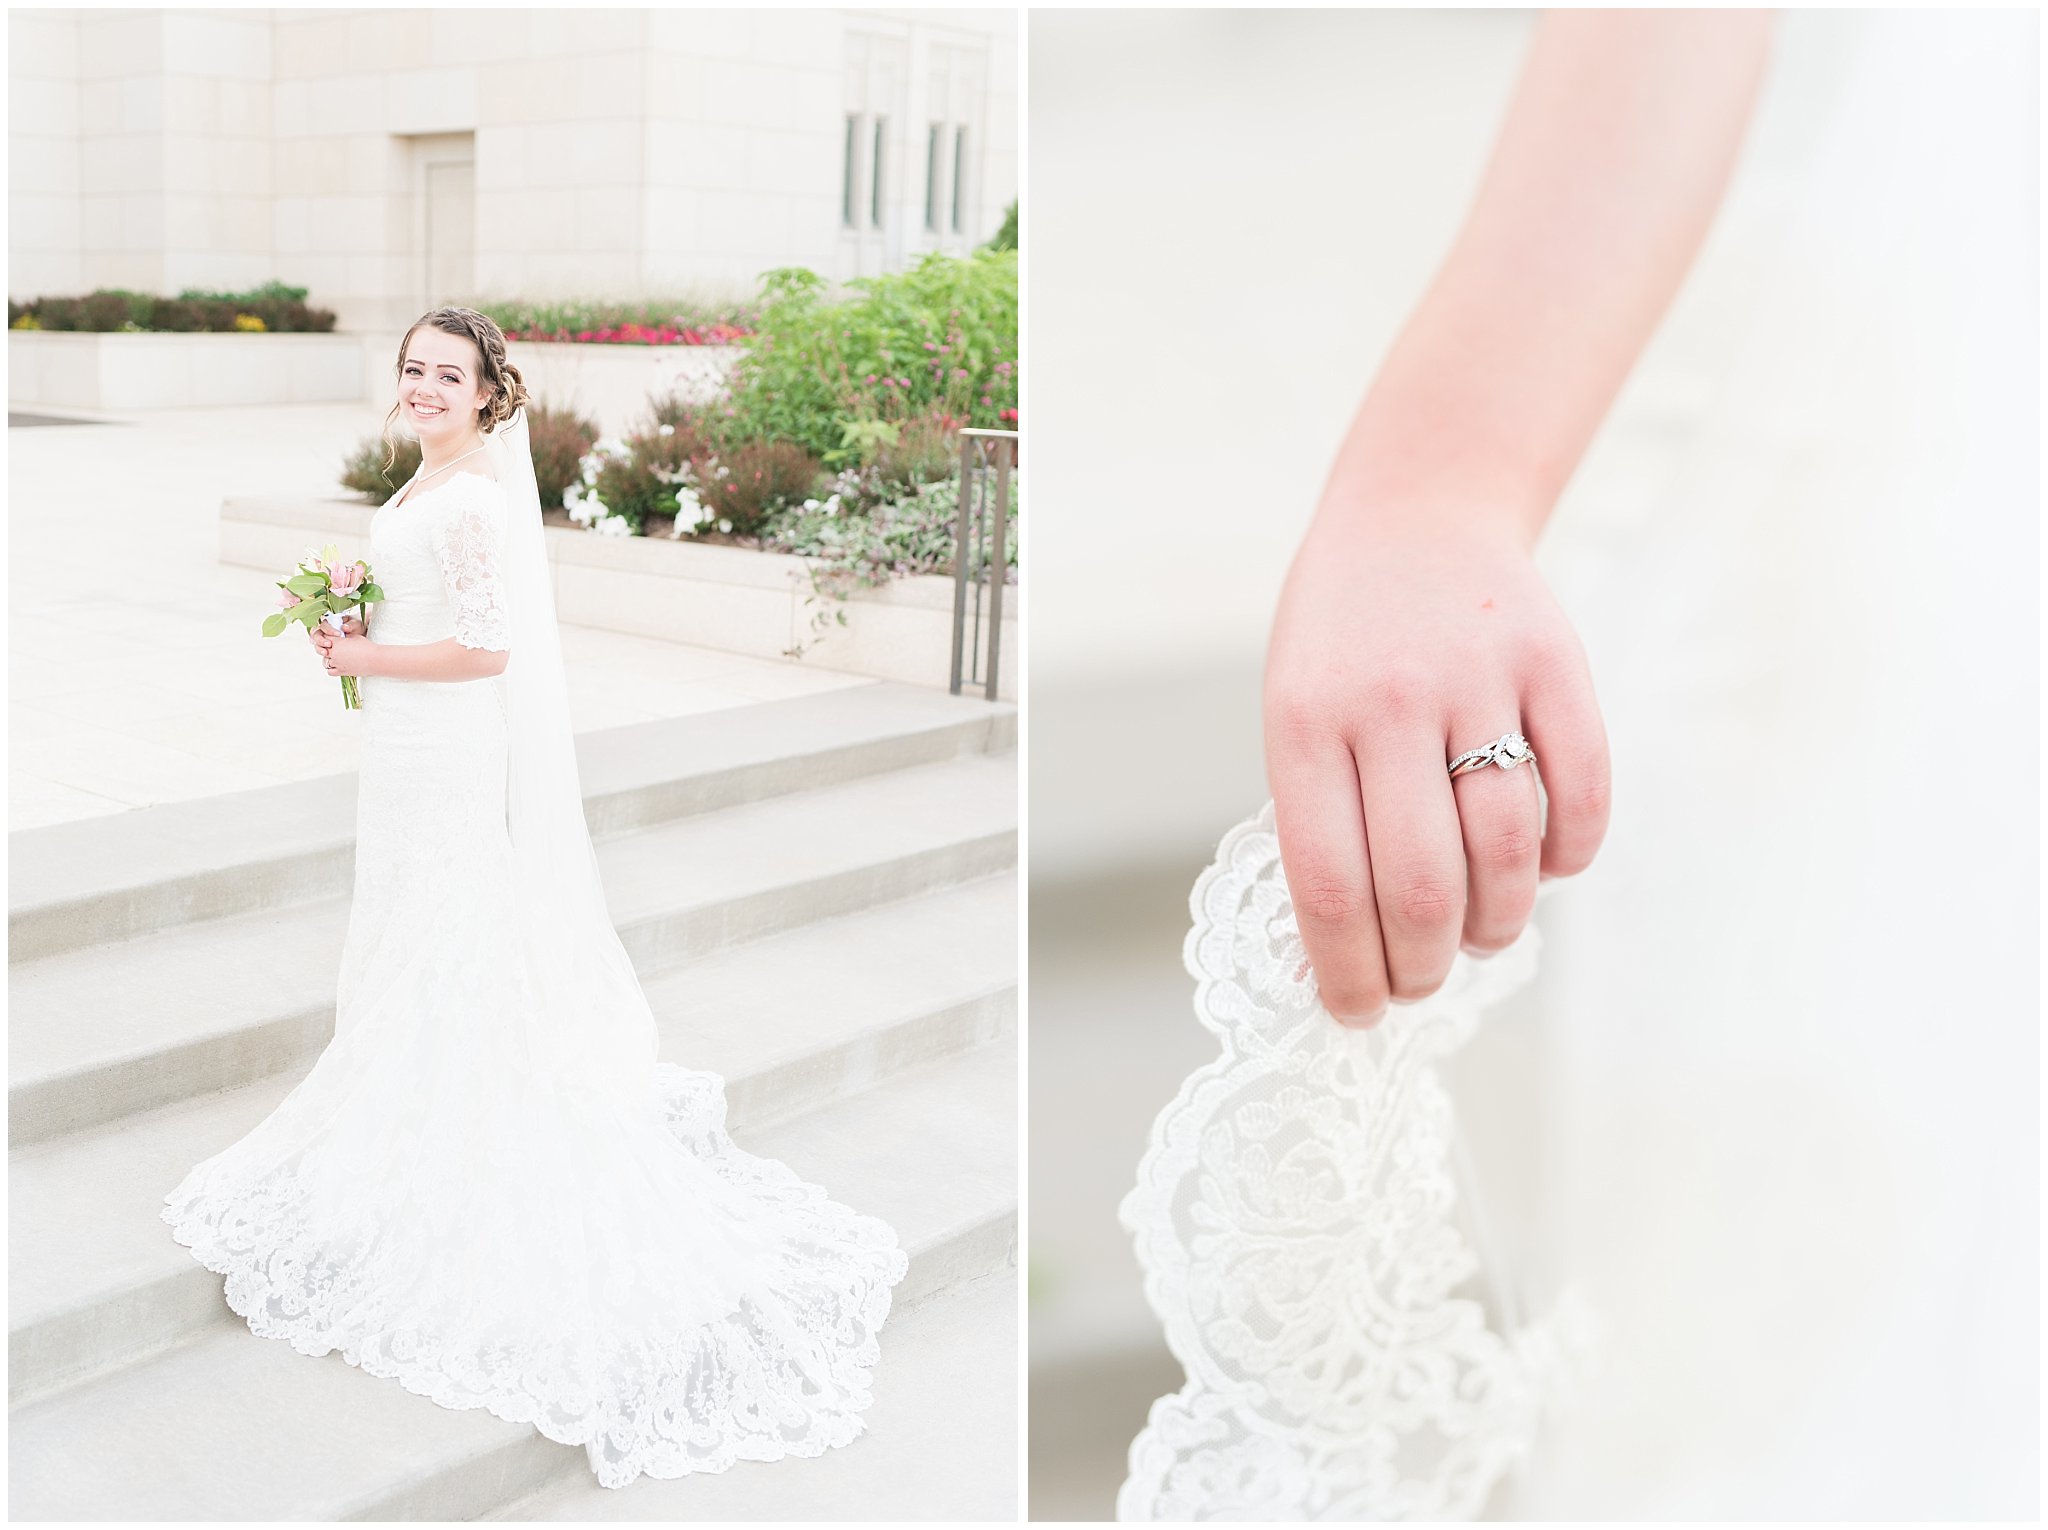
[[115, 308], [854, 540], [102, 311], [693, 422], [923, 451], [938, 341], [639, 481], [748, 482], [270, 291], [560, 439], [363, 470]]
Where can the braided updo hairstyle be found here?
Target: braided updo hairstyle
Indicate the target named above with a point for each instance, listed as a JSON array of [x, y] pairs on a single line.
[[507, 388]]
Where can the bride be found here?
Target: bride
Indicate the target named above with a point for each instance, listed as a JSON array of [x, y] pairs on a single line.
[[487, 1188]]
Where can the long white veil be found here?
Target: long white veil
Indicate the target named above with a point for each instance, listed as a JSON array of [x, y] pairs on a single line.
[[583, 976]]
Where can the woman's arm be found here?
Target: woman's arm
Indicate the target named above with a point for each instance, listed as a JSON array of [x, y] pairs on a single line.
[[1612, 157], [449, 659], [1413, 625]]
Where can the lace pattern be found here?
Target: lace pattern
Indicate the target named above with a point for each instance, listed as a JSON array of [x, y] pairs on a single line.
[[786, 1371], [1294, 1216], [469, 544]]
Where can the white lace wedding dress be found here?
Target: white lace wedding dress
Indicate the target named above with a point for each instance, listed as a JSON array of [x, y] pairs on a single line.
[[495, 1203]]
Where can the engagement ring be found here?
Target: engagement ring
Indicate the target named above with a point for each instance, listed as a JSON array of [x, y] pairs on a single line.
[[1507, 751]]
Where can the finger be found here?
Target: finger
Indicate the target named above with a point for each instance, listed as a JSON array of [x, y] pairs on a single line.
[[1500, 825], [1323, 852], [1561, 720], [1418, 857]]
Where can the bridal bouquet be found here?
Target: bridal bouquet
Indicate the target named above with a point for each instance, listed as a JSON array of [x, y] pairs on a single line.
[[324, 589]]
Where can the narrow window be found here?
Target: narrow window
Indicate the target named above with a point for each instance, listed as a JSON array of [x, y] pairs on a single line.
[[959, 179], [931, 180], [875, 203], [846, 202]]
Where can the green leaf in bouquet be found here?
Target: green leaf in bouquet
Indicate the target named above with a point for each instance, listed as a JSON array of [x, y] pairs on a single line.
[[306, 584], [370, 593], [275, 623]]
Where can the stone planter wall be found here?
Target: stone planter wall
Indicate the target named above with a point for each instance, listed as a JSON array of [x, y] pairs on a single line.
[[610, 384], [715, 597], [149, 371]]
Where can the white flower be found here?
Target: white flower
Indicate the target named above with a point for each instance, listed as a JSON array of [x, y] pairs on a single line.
[[832, 505], [690, 512], [725, 526], [587, 509], [614, 526], [810, 504], [668, 430]]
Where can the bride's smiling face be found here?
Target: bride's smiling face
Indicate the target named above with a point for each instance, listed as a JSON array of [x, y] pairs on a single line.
[[439, 390]]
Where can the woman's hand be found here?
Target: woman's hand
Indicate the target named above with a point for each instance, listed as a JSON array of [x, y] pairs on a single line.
[[1414, 626], [1401, 642], [322, 636], [349, 654]]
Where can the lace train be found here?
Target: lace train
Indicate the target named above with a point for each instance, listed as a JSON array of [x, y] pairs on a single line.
[[785, 1372], [1294, 1218]]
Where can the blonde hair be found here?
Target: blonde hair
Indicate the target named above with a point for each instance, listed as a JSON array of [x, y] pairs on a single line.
[[495, 372]]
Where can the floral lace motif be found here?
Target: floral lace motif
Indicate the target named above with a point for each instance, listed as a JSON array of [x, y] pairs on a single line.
[[1294, 1218], [785, 1373], [469, 544]]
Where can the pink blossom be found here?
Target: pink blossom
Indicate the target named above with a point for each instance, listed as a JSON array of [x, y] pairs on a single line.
[[348, 578], [286, 600]]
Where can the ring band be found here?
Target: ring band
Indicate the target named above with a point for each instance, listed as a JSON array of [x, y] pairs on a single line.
[[1507, 751]]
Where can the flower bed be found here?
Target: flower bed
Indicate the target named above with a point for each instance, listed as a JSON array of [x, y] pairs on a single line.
[[115, 310], [653, 322]]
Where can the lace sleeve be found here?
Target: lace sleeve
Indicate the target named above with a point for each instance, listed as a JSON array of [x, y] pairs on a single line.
[[469, 544]]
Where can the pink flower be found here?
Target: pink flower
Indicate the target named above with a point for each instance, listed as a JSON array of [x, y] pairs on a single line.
[[286, 600], [348, 578]]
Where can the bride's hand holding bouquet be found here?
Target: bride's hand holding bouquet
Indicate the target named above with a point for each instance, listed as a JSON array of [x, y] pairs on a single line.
[[322, 593]]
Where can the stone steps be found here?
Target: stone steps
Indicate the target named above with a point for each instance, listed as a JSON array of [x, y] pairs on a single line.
[[78, 885], [135, 1024], [936, 1427], [228, 1426], [793, 1023], [820, 898]]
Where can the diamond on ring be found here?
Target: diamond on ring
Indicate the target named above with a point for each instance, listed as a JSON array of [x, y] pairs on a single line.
[[1507, 751]]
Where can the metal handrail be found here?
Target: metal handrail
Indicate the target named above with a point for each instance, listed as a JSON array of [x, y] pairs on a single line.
[[981, 528]]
